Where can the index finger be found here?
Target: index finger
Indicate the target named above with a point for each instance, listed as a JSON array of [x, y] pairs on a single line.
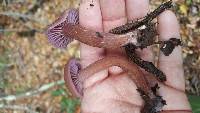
[[137, 9], [90, 18], [113, 15]]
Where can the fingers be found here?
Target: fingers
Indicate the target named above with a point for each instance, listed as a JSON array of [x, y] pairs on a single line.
[[137, 9], [90, 17], [175, 99], [113, 15], [171, 65]]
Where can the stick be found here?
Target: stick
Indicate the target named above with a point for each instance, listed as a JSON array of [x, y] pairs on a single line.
[[43, 88]]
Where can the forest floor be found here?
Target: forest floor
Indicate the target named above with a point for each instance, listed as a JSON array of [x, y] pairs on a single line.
[[31, 70]]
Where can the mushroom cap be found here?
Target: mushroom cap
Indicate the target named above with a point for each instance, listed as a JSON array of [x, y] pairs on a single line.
[[71, 77], [54, 31]]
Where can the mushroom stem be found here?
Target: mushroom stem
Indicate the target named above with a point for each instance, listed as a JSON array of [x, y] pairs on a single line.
[[134, 72], [97, 39]]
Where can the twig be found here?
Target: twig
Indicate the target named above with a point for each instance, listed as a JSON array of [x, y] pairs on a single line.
[[31, 93], [2, 65], [50, 109], [148, 18], [19, 15], [37, 4], [9, 30], [17, 107], [7, 2], [147, 66]]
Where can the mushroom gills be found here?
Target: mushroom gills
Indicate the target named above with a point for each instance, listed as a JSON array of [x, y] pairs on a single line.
[[54, 31], [71, 77]]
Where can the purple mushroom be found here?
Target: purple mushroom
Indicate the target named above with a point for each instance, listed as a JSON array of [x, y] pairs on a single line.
[[71, 75], [54, 31]]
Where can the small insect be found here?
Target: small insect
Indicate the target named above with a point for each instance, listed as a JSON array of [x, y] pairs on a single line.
[[98, 34], [91, 5]]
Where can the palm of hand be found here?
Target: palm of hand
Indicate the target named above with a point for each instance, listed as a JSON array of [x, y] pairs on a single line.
[[111, 90]]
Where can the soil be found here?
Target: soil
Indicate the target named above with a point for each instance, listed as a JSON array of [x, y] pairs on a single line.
[[28, 61]]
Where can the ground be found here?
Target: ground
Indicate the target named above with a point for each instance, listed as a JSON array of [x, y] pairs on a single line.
[[28, 63]]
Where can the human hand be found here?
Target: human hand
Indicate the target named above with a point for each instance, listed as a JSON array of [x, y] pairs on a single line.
[[112, 90]]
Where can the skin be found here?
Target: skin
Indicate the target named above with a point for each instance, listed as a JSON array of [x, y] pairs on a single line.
[[112, 90], [129, 68]]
